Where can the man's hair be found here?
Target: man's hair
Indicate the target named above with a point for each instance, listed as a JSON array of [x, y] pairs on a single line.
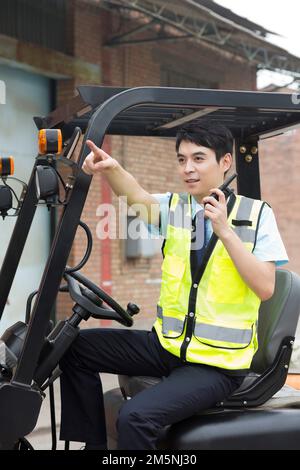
[[207, 134]]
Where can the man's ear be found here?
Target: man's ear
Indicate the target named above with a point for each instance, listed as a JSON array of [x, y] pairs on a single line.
[[226, 162]]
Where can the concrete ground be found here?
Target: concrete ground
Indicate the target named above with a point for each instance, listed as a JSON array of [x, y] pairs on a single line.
[[40, 438]]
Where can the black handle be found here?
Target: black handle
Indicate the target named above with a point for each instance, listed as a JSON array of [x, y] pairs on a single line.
[[132, 309]]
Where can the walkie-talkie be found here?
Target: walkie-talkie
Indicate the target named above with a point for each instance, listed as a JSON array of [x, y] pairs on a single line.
[[224, 186]]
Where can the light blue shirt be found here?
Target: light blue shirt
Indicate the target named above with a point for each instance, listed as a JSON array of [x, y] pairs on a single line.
[[269, 245]]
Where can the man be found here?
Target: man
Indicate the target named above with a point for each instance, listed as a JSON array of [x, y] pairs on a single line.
[[219, 264]]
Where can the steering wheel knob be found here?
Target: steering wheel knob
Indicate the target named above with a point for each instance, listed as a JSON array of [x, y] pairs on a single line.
[[132, 309]]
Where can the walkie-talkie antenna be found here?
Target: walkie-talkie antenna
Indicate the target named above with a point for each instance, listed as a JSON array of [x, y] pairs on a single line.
[[224, 186], [228, 181]]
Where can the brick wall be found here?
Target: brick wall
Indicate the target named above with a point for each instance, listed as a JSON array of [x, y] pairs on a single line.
[[138, 65], [280, 169], [85, 32]]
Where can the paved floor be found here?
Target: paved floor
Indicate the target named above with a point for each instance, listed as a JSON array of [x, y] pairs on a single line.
[[40, 438]]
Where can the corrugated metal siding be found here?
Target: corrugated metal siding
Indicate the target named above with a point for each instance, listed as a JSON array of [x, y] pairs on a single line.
[[41, 22]]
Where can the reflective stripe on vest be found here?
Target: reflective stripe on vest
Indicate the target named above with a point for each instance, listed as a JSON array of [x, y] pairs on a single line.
[[179, 216], [203, 330], [169, 323], [245, 233], [219, 333]]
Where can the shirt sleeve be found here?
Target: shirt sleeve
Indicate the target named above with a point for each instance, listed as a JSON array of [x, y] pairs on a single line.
[[269, 245], [161, 230]]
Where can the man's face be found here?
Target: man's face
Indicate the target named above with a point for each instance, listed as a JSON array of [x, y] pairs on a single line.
[[199, 168]]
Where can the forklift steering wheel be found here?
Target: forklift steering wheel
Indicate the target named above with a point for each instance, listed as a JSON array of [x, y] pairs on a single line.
[[94, 304]]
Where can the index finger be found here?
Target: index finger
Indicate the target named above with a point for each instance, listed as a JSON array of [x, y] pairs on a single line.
[[92, 146], [99, 154]]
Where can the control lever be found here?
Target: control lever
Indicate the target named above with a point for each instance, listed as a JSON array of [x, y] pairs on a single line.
[[132, 309]]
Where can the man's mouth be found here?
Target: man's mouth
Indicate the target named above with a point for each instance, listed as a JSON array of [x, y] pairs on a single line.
[[192, 180]]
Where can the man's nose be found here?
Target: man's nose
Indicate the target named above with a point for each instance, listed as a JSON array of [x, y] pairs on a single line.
[[189, 167]]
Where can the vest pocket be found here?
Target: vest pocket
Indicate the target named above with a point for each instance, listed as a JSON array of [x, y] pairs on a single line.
[[172, 327], [225, 285], [221, 337]]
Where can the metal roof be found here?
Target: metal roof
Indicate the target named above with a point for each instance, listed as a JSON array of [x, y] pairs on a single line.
[[237, 19], [202, 21], [159, 111]]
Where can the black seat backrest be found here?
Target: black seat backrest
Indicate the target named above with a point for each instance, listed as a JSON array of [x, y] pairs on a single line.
[[278, 318]]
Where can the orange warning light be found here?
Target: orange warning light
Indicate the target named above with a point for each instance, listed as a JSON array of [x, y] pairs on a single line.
[[7, 166], [50, 141]]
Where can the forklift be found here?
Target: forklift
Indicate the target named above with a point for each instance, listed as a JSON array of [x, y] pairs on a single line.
[[261, 414]]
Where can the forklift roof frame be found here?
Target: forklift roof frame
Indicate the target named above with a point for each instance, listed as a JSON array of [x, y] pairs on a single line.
[[144, 111]]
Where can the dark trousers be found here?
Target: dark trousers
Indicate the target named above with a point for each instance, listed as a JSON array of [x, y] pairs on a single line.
[[185, 389]]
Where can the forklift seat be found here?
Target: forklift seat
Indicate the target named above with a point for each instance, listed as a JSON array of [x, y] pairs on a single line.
[[278, 318]]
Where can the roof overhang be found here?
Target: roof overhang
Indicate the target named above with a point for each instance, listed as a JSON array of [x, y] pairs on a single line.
[[202, 21]]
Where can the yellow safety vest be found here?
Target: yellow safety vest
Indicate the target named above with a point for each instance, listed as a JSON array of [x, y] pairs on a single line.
[[210, 319]]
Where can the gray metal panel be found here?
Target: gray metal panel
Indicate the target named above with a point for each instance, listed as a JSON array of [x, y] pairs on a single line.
[[26, 94], [140, 244]]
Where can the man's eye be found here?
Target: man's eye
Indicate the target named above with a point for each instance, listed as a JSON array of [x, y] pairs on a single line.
[[198, 159], [180, 160]]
